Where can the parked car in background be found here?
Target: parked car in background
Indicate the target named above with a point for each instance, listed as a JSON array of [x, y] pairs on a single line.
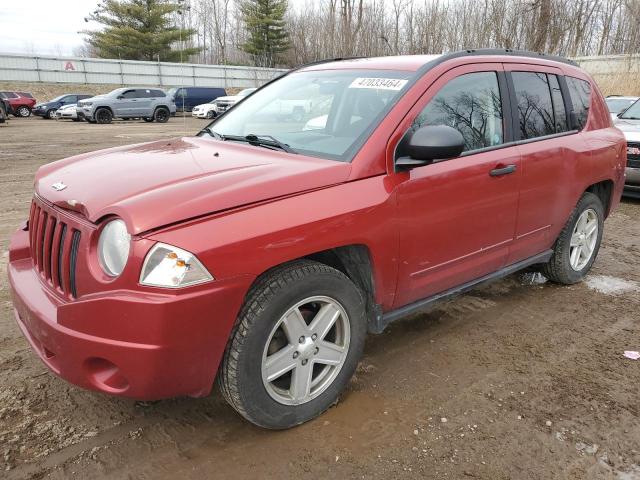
[[4, 110], [48, 109], [150, 104], [618, 103], [21, 102], [67, 112], [186, 98], [222, 104], [629, 122], [206, 110], [261, 254]]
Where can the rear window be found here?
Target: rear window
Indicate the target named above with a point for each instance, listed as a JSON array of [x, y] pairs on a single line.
[[579, 91], [535, 107]]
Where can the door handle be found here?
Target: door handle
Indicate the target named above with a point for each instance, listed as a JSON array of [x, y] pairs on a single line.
[[498, 172]]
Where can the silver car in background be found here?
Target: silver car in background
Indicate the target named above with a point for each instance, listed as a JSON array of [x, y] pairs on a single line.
[[150, 104], [618, 103], [629, 122], [67, 112]]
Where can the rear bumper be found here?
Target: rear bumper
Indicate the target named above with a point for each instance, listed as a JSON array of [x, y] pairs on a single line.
[[130, 343]]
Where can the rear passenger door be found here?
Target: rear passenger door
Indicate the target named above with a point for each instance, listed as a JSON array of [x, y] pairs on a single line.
[[550, 152], [457, 217]]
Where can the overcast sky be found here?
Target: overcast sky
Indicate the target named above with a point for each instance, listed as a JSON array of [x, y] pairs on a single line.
[[43, 26], [49, 27]]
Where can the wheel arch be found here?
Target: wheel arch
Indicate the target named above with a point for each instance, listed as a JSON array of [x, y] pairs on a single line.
[[356, 262], [604, 191]]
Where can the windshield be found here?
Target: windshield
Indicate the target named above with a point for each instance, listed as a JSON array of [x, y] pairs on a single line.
[[633, 112], [617, 105], [326, 114]]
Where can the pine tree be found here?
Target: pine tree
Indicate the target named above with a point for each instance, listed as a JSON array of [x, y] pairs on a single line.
[[139, 30], [268, 38]]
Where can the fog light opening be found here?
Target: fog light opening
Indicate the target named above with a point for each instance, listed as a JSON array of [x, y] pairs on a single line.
[[106, 375]]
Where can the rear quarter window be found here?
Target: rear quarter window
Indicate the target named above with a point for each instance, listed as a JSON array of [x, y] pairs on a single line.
[[580, 93]]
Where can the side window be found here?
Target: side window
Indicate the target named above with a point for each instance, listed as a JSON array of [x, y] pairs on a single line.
[[157, 94], [471, 104], [535, 110], [70, 99], [130, 94], [580, 92], [558, 105]]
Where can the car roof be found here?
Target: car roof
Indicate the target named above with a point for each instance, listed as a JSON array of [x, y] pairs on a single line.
[[413, 63]]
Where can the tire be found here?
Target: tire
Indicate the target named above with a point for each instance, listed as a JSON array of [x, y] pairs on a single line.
[[257, 328], [103, 116], [23, 111], [148, 119], [567, 265], [211, 114], [161, 115], [51, 114]]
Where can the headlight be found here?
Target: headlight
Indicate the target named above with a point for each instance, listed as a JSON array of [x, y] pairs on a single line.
[[86, 104], [172, 267], [113, 247]]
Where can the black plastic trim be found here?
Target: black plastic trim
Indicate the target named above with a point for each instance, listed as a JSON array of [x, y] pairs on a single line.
[[63, 234], [75, 244], [428, 302]]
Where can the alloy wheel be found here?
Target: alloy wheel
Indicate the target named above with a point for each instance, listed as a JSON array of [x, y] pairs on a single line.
[[306, 350], [583, 239]]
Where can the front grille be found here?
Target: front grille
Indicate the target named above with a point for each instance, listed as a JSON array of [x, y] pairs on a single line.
[[633, 155], [54, 248]]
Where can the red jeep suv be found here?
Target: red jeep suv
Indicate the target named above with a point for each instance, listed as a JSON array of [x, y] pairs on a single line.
[[21, 102], [262, 251]]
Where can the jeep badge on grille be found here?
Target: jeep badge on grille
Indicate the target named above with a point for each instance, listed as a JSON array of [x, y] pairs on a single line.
[[58, 186]]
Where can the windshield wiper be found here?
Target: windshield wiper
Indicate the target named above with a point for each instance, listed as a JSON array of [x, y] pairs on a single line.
[[252, 139], [215, 135], [269, 141]]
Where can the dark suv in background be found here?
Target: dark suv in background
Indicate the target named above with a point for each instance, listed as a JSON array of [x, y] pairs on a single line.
[[48, 109], [186, 98]]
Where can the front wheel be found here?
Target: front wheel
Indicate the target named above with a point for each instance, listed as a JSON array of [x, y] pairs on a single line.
[[577, 245], [296, 344], [51, 114], [103, 116]]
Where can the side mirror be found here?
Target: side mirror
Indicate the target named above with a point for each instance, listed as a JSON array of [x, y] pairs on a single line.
[[120, 97], [427, 144]]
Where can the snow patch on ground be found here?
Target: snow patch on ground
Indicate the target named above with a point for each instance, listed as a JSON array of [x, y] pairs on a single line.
[[611, 285]]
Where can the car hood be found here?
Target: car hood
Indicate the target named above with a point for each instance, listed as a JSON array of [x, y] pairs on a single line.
[[155, 184], [630, 128], [204, 106], [230, 97]]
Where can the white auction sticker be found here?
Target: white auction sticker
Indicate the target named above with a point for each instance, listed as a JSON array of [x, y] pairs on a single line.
[[379, 83]]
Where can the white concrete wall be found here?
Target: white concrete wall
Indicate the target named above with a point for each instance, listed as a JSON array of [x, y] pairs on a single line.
[[49, 69]]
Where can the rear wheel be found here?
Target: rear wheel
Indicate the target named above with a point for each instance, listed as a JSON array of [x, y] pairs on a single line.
[[161, 115], [23, 111], [211, 114], [577, 245], [103, 116], [295, 346]]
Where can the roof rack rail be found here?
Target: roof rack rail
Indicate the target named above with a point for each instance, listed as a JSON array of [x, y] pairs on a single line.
[[510, 52]]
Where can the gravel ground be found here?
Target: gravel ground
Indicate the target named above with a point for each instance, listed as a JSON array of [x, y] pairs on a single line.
[[517, 380]]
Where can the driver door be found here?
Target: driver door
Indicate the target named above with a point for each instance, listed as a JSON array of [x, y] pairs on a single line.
[[458, 216]]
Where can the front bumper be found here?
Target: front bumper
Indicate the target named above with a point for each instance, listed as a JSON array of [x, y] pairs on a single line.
[[199, 114], [137, 344], [632, 182]]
